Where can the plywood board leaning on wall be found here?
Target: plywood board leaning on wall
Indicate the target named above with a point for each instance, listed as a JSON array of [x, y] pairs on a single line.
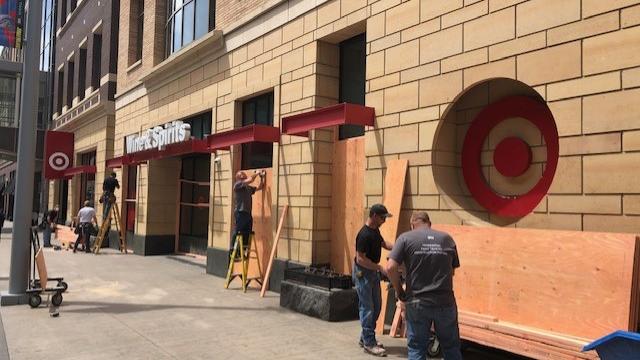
[[347, 201], [544, 293], [394, 181], [262, 222]]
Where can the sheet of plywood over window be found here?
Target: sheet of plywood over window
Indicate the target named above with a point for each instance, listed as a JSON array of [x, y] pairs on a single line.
[[581, 284], [262, 221], [347, 201]]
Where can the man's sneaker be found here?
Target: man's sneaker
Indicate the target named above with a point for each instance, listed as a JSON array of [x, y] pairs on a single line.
[[375, 350], [361, 343]]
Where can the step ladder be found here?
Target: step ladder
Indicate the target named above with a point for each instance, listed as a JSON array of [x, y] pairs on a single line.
[[244, 260], [112, 214]]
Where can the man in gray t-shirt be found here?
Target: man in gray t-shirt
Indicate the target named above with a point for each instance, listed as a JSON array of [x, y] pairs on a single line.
[[430, 258], [242, 193]]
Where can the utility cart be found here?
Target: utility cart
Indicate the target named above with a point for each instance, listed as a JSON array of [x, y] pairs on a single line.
[[39, 287]]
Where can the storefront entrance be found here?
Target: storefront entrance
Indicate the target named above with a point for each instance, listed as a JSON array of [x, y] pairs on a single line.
[[194, 204], [87, 180]]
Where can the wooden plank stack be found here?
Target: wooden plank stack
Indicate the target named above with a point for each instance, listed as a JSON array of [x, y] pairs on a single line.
[[545, 293]]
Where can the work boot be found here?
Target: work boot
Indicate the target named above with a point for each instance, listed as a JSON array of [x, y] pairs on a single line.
[[361, 343], [375, 350]]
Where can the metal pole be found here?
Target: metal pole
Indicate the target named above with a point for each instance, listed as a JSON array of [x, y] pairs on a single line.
[[20, 252]]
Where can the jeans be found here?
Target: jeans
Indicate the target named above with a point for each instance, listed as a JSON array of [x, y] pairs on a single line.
[[420, 317], [369, 302], [46, 236], [106, 204], [85, 232], [244, 226]]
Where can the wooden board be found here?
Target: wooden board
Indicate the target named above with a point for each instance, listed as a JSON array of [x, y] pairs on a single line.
[[347, 203], [578, 284], [392, 198], [274, 248], [65, 236], [42, 268], [262, 222]]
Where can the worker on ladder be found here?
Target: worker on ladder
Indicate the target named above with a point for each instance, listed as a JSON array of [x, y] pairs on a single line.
[[109, 187], [243, 191]]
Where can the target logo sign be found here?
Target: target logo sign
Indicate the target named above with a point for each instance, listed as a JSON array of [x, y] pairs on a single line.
[[58, 150], [511, 157], [59, 161]]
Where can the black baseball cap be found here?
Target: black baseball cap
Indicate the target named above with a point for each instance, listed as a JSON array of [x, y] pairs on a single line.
[[380, 210]]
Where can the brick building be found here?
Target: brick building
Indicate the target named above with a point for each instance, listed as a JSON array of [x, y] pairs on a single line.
[[428, 68], [86, 53]]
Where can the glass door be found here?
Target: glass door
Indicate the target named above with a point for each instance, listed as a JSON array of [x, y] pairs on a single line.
[[194, 204]]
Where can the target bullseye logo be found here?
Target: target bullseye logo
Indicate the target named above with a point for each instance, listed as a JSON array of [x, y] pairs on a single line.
[[59, 161], [511, 157]]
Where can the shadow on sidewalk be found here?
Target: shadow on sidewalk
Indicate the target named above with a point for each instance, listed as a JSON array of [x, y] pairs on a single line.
[[93, 307]]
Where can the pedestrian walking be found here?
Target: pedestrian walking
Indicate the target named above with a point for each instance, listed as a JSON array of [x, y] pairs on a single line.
[[367, 272], [430, 258], [50, 222], [243, 192], [86, 219]]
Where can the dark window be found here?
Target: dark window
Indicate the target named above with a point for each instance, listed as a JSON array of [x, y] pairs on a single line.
[[87, 181], [130, 201], [188, 20], [60, 91], [82, 73], [74, 4], [257, 110], [136, 32], [352, 79], [194, 203], [70, 80], [96, 64], [63, 13], [200, 125]]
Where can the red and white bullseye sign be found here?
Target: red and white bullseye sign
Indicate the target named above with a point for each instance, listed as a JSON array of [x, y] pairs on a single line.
[[58, 152], [511, 157]]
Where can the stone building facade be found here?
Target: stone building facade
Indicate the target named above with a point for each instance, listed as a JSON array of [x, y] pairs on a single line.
[[432, 66]]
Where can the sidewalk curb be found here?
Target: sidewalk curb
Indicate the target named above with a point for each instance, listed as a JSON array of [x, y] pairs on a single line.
[[4, 350]]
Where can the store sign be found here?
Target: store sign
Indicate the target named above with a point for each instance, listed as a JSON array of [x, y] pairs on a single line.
[[158, 137], [58, 150]]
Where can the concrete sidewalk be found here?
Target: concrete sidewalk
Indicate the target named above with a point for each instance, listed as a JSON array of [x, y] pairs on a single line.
[[166, 307]]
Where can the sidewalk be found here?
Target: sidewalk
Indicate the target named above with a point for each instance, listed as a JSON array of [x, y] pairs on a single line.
[[166, 307]]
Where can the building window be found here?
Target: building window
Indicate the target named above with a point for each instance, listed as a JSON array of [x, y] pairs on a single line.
[[63, 13], [352, 80], [200, 125], [96, 71], [135, 32], [82, 73], [60, 91], [130, 201], [70, 80], [73, 5], [257, 110], [7, 101], [87, 181], [188, 20]]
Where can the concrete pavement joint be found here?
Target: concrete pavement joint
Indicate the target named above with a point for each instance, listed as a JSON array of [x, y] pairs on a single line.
[[4, 350]]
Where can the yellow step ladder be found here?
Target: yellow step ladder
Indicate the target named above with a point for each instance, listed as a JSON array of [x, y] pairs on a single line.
[[112, 214], [244, 260]]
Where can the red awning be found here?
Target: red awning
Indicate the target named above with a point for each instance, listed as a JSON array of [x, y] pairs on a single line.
[[193, 146], [243, 135], [341, 114], [84, 169], [117, 162]]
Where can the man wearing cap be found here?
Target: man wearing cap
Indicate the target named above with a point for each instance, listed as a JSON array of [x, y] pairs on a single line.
[[430, 258], [243, 191], [366, 277]]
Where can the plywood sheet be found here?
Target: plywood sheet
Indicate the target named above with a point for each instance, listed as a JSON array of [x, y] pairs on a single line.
[[42, 268], [394, 181], [347, 201], [577, 284], [262, 222]]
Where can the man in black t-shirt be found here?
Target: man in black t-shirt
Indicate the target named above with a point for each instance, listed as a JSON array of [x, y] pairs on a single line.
[[109, 187], [430, 258], [366, 277]]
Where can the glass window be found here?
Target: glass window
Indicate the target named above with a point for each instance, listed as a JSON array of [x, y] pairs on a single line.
[[136, 32], [257, 110], [188, 20], [352, 79], [188, 23]]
